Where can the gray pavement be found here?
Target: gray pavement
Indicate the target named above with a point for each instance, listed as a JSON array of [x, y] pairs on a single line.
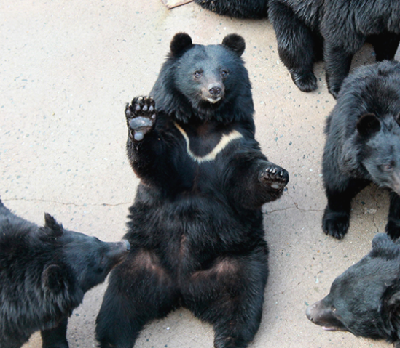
[[67, 68]]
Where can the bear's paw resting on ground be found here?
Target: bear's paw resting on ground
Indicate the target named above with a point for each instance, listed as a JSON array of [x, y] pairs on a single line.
[[196, 226]]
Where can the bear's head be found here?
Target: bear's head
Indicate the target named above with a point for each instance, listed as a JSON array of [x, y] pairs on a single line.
[[205, 82], [365, 299], [379, 144], [85, 261]]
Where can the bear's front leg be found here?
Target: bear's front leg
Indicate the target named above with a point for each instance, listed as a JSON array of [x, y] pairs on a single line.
[[393, 224], [336, 218], [256, 181], [140, 117], [56, 337], [272, 180]]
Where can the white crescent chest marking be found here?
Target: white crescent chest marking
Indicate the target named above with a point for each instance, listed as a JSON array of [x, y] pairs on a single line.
[[223, 142]]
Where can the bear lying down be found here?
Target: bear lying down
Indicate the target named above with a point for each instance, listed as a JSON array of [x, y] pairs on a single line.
[[45, 272], [365, 299], [196, 226]]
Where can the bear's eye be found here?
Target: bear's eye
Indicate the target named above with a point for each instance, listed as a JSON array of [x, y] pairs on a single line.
[[388, 167], [198, 73], [224, 73]]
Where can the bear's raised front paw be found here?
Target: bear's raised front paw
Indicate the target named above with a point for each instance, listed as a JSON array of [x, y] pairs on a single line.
[[274, 178], [140, 117], [335, 223], [305, 81]]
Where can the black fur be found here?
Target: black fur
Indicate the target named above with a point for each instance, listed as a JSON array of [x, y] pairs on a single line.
[[45, 272], [363, 144], [196, 224], [365, 299], [252, 9], [338, 28]]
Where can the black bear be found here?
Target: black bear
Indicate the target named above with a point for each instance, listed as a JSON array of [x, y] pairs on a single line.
[[365, 299], [251, 9], [196, 226], [363, 144], [45, 272], [338, 28]]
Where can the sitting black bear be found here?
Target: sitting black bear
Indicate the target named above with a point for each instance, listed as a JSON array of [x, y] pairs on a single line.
[[196, 226]]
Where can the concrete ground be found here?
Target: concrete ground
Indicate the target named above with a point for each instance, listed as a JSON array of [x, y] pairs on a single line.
[[67, 68]]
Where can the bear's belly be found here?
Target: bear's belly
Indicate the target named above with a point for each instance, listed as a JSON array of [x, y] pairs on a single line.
[[188, 234]]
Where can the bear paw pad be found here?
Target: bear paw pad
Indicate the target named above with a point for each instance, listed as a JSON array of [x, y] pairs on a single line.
[[140, 117], [275, 178]]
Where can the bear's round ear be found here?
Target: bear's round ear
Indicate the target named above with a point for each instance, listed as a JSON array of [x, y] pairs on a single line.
[[368, 124], [51, 223], [396, 118], [234, 42], [53, 279], [381, 240], [179, 44]]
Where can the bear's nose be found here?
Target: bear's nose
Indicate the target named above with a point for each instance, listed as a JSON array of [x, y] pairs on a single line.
[[214, 90]]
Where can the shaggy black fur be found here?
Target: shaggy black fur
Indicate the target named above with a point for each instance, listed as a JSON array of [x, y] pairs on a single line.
[[196, 224], [252, 9], [45, 272], [362, 144], [338, 28], [365, 299]]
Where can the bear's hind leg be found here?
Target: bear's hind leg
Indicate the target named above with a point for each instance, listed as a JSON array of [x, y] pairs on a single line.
[[139, 291], [230, 296], [295, 45]]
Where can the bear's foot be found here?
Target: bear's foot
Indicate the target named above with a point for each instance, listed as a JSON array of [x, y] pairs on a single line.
[[140, 117], [335, 223], [304, 80]]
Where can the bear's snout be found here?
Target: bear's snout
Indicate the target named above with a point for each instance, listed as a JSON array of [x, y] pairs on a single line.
[[214, 92]]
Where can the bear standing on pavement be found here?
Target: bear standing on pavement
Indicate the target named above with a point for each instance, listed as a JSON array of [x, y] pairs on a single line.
[[196, 226], [363, 145], [45, 272], [339, 28]]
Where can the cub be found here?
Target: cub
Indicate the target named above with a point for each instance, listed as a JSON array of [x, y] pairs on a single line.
[[365, 299], [45, 272], [338, 28], [196, 226], [363, 145]]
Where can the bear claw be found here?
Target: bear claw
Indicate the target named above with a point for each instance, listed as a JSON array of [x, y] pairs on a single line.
[[275, 178], [140, 117]]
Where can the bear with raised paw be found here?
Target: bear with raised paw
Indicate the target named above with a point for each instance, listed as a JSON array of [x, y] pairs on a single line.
[[250, 9], [45, 273], [365, 299], [196, 226], [308, 30], [363, 145]]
